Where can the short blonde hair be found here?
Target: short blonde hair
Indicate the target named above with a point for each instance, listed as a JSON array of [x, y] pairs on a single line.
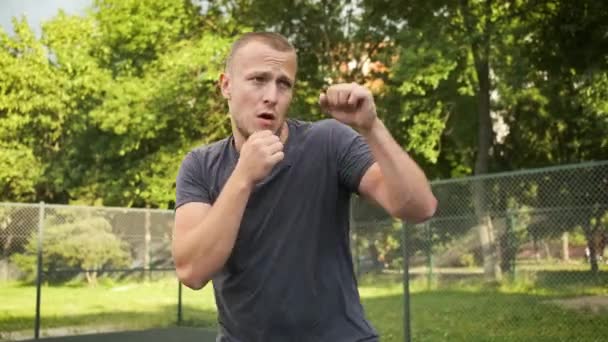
[[271, 39]]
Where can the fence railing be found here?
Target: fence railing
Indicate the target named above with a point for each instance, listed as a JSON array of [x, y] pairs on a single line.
[[540, 230]]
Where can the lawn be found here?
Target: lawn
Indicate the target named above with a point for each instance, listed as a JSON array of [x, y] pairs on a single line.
[[465, 310], [121, 306], [460, 312]]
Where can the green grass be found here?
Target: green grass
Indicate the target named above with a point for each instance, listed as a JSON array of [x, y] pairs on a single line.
[[462, 311], [487, 316], [468, 310], [123, 306]]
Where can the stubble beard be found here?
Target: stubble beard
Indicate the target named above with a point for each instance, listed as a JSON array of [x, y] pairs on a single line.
[[246, 133]]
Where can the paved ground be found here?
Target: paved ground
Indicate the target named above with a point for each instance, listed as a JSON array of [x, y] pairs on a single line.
[[152, 335]]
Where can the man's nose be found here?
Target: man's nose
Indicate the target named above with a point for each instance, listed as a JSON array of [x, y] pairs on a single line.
[[271, 94]]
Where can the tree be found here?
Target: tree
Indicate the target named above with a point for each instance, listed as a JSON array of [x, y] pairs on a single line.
[[145, 125], [134, 33], [32, 105], [556, 101], [444, 69], [100, 111]]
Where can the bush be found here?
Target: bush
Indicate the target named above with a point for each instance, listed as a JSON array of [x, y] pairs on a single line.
[[85, 244]]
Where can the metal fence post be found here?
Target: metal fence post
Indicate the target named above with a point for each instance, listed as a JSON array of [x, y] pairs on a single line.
[[429, 255], [511, 243], [179, 303], [406, 285], [39, 272], [147, 243]]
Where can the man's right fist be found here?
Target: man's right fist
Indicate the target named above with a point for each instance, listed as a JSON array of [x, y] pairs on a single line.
[[259, 154]]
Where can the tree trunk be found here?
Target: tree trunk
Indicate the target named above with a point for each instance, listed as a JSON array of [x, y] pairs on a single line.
[[590, 234], [91, 278], [4, 268], [491, 259], [480, 48], [374, 256], [547, 250], [7, 245], [5, 256], [565, 247]]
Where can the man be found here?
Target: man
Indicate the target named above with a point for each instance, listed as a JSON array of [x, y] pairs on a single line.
[[264, 213]]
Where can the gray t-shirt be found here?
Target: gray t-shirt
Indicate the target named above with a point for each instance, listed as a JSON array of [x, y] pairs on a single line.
[[290, 275]]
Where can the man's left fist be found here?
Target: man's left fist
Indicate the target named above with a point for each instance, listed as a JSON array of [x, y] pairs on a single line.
[[351, 104]]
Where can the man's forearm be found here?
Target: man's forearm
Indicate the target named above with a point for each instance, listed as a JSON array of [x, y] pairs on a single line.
[[205, 248], [407, 187]]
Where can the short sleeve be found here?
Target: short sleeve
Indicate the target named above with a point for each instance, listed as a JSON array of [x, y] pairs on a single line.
[[354, 156], [190, 185]]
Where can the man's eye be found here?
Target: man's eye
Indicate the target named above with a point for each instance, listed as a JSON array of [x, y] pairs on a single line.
[[259, 79], [286, 84]]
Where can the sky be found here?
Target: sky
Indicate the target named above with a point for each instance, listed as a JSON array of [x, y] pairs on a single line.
[[37, 11]]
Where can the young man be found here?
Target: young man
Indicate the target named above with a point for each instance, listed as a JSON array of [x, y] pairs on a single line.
[[264, 213]]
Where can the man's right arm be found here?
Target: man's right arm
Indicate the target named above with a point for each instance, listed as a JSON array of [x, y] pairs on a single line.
[[204, 235]]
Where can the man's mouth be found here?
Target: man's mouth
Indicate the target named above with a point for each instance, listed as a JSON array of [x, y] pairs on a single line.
[[266, 116]]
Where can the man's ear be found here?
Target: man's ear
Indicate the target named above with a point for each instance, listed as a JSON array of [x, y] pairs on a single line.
[[225, 85]]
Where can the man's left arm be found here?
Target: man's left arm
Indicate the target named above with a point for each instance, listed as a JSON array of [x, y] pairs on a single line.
[[394, 181]]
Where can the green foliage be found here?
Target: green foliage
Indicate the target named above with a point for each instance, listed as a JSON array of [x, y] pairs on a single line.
[[134, 33], [87, 244], [549, 97], [577, 237], [19, 172], [102, 107], [32, 112], [148, 123], [467, 260]]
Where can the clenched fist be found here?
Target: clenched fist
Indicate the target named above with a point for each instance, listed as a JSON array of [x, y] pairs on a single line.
[[351, 104], [259, 154]]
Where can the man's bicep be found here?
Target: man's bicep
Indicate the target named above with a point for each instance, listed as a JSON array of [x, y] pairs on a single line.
[[353, 155], [191, 183], [372, 186], [189, 215]]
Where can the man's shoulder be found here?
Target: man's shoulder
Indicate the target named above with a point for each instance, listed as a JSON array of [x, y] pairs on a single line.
[[323, 124], [207, 154], [321, 128], [212, 149]]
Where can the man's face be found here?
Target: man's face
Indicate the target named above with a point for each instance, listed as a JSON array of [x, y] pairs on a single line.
[[258, 86]]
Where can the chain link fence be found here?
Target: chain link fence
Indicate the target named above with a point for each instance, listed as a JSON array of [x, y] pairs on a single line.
[[499, 246], [506, 253], [89, 241], [492, 224], [59, 248]]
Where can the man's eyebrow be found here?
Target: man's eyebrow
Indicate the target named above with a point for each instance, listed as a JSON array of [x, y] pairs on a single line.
[[268, 74], [286, 78], [258, 73]]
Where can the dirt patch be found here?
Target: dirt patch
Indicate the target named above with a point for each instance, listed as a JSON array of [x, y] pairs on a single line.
[[594, 304]]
